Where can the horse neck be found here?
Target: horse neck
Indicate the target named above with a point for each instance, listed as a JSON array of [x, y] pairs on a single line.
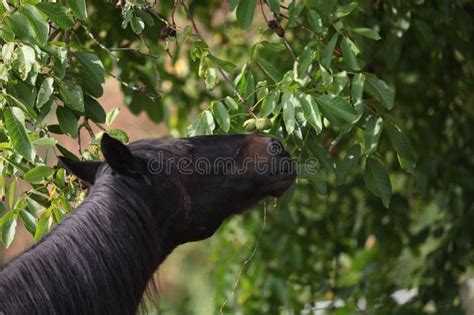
[[98, 261]]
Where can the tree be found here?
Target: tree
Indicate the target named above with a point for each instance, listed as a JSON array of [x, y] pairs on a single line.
[[363, 220]]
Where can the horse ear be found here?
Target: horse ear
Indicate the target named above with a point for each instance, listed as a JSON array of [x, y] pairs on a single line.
[[117, 155], [84, 170]]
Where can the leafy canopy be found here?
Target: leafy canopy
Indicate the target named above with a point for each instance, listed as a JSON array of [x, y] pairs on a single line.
[[319, 75]]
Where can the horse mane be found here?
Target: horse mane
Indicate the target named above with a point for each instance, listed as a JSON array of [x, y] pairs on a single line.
[[97, 261]]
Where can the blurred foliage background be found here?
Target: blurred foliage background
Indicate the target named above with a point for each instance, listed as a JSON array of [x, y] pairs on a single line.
[[379, 93]]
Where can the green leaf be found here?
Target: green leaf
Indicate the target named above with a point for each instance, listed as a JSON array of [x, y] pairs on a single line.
[[92, 65], [349, 54], [328, 51], [55, 129], [270, 70], [367, 32], [340, 81], [29, 221], [21, 26], [222, 116], [42, 227], [357, 90], [65, 152], [323, 156], [78, 7], [288, 101], [24, 59], [305, 60], [381, 91], [348, 164], [8, 231], [58, 215], [274, 5], [146, 17], [67, 121], [44, 111], [38, 23], [373, 130], [94, 110], [91, 87], [211, 78], [45, 92], [344, 10], [320, 186], [45, 141], [233, 4], [325, 76], [137, 24], [13, 101], [111, 115], [311, 112], [337, 110], [273, 47], [7, 52], [2, 187], [269, 103], [224, 64], [36, 175], [250, 88], [33, 206], [231, 103], [377, 180], [11, 194], [6, 32], [119, 135], [71, 94], [22, 95], [15, 124], [207, 122], [315, 21], [246, 12], [57, 13], [294, 10], [401, 145]]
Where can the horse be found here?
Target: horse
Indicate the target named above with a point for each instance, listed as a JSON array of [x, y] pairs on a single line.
[[145, 199]]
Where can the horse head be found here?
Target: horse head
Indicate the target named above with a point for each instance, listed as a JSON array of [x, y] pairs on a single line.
[[192, 184]]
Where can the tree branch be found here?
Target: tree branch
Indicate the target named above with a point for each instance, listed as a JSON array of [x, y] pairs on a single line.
[[219, 68]]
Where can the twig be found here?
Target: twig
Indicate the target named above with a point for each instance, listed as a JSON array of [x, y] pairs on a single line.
[[155, 14], [135, 51], [263, 11], [293, 53], [221, 71], [53, 34], [85, 125], [176, 2], [290, 49], [153, 96], [112, 50], [281, 5], [318, 35], [99, 126], [285, 40], [91, 36], [246, 261], [155, 69]]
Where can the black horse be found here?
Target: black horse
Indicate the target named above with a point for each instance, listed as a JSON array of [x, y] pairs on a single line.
[[145, 200]]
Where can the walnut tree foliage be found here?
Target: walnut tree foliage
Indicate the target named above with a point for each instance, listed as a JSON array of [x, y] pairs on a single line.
[[379, 93]]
